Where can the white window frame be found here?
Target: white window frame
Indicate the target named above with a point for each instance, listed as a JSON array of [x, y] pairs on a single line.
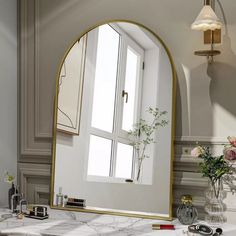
[[118, 135]]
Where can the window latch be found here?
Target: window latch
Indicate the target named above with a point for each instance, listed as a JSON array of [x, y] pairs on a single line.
[[126, 95]]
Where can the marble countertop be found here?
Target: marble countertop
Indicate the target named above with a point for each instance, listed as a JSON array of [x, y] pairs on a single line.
[[77, 223]]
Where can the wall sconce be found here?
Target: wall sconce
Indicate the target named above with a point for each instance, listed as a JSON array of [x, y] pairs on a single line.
[[208, 22]]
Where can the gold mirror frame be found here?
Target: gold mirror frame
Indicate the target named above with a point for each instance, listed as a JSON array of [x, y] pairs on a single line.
[[174, 78]]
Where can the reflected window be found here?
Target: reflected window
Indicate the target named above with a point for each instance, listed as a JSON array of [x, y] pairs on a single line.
[[131, 79], [105, 78], [99, 156], [124, 161], [116, 102]]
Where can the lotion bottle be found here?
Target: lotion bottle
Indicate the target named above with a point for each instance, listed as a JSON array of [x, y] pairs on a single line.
[[59, 198]]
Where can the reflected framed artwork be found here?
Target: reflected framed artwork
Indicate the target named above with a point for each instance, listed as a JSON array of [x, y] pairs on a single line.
[[70, 89]]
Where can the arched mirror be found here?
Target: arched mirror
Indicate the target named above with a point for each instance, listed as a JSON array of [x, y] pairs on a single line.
[[114, 124]]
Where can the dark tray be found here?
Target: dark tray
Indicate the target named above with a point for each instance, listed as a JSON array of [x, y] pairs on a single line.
[[37, 217]]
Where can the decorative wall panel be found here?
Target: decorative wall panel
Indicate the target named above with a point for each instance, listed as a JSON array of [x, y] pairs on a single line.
[[34, 182], [35, 137]]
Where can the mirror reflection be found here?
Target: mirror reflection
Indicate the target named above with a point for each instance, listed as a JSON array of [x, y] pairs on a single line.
[[114, 123]]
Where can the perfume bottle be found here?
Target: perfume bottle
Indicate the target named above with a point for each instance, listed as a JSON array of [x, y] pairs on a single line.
[[59, 198], [186, 213], [11, 191]]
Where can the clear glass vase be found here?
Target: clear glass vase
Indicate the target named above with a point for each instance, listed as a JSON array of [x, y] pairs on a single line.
[[214, 206]]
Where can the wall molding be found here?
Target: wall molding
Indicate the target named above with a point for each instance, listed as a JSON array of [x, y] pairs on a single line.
[[35, 146], [35, 171], [38, 133], [38, 190], [189, 179], [186, 163], [202, 139]]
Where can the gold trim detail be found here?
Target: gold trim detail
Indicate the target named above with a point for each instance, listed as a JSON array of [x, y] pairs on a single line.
[[174, 76], [207, 53], [212, 37], [186, 199]]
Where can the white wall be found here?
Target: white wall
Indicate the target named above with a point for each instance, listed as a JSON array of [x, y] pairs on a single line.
[[204, 102], [8, 93]]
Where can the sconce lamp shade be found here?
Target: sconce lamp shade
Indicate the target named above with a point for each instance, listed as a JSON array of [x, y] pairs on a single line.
[[206, 20]]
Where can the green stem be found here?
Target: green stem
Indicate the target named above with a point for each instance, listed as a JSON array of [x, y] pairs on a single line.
[[139, 169], [216, 185], [144, 147], [140, 162]]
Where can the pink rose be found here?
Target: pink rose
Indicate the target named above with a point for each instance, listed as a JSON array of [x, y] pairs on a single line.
[[232, 140], [230, 154], [197, 151]]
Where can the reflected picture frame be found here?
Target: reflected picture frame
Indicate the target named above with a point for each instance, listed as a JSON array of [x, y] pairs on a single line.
[[71, 83]]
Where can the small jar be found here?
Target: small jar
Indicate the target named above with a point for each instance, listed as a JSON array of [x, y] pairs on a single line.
[[186, 213]]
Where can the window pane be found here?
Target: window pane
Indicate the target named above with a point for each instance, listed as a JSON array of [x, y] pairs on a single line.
[[124, 161], [105, 78], [99, 156], [130, 88]]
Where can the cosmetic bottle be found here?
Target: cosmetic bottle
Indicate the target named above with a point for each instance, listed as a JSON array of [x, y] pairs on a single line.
[[186, 213], [59, 198]]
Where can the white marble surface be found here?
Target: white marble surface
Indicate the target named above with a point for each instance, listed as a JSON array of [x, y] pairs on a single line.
[[75, 223]]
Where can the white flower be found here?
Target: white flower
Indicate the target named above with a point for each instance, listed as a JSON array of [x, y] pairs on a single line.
[[197, 151], [8, 178]]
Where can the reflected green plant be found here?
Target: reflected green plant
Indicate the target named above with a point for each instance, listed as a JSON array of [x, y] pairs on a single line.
[[143, 133]]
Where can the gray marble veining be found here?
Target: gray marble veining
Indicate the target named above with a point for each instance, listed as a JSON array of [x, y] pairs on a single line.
[[69, 223]]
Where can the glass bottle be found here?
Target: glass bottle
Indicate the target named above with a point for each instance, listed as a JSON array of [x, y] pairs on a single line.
[[186, 213], [214, 206], [11, 191], [59, 198]]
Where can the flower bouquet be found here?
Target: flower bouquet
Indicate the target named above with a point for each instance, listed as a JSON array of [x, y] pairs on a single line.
[[216, 168]]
